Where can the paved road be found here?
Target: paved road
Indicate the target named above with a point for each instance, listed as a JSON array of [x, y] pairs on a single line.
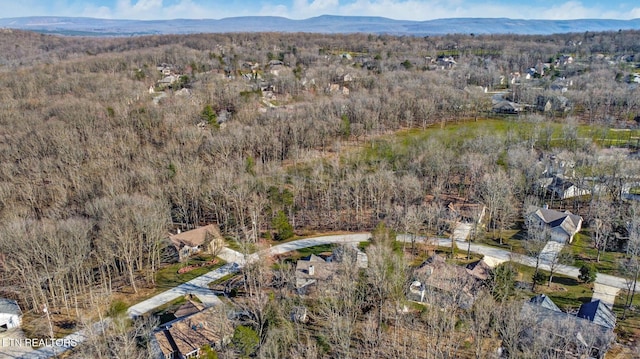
[[198, 286], [66, 343], [492, 255]]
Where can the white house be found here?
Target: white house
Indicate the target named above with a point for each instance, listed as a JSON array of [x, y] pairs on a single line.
[[10, 314]]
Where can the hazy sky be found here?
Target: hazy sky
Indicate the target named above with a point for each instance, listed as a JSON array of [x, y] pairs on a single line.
[[300, 9]]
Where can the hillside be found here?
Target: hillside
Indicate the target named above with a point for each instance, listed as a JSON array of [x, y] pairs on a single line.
[[320, 24]]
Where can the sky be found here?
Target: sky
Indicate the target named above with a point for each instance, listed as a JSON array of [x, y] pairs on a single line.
[[302, 9]]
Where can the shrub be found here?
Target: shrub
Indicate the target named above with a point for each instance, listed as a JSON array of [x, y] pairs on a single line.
[[245, 340], [284, 229], [117, 308], [587, 273], [539, 278]]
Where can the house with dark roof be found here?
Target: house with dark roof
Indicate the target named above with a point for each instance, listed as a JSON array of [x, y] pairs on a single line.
[[562, 226], [598, 313], [10, 314], [563, 334], [563, 188]]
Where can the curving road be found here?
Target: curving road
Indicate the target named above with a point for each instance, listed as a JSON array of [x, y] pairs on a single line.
[[606, 285]]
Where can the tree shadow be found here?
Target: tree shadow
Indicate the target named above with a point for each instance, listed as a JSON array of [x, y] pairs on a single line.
[[565, 281]]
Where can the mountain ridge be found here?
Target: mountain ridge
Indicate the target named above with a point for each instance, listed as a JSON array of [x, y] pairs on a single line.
[[320, 24]]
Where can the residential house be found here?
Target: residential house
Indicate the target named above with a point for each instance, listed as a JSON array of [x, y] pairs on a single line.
[[186, 337], [531, 73], [436, 277], [561, 85], [562, 333], [553, 104], [562, 226], [562, 188], [165, 69], [599, 313], [479, 269], [313, 270], [446, 62], [316, 272], [10, 314], [507, 107], [188, 308], [564, 60], [185, 244], [168, 81], [515, 77]]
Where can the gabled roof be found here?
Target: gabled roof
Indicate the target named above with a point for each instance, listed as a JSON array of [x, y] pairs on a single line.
[[479, 269], [190, 334], [322, 270], [598, 313], [188, 308], [546, 317], [436, 273], [565, 221], [9, 306], [195, 237], [544, 302]]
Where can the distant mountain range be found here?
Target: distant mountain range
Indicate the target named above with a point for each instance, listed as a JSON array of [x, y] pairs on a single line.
[[321, 24]]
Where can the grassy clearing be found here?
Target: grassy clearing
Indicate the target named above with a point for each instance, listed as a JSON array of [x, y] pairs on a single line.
[[568, 293], [629, 327], [453, 135], [323, 248], [584, 253], [512, 240], [168, 277]]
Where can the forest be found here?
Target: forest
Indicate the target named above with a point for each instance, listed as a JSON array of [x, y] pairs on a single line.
[[108, 145]]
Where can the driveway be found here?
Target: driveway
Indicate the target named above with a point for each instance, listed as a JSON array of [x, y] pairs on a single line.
[[493, 256], [66, 343], [198, 286], [606, 294], [550, 251], [12, 344]]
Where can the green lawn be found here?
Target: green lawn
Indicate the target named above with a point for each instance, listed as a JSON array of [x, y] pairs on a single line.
[[630, 326], [584, 253], [395, 146], [168, 277], [566, 292], [511, 240]]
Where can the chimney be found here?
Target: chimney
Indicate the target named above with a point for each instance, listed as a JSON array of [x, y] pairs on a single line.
[[312, 270]]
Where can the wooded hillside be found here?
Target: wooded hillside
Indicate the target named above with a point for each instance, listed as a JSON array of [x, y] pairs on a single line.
[[260, 131]]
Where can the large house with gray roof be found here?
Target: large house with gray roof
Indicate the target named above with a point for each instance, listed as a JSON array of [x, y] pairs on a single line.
[[589, 334], [562, 226]]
